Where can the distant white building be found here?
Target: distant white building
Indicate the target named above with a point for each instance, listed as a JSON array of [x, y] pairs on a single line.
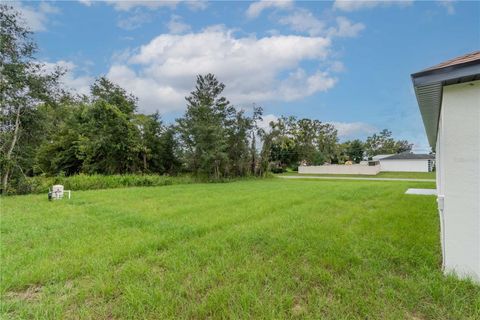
[[402, 162], [407, 162], [449, 99]]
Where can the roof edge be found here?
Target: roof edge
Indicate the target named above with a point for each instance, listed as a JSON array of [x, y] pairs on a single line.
[[445, 69], [446, 74], [428, 85], [390, 159]]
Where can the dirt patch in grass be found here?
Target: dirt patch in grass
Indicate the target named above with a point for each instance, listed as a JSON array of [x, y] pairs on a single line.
[[415, 316], [31, 293], [298, 310]]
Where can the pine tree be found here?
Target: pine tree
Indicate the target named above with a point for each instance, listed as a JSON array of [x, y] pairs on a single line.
[[203, 128]]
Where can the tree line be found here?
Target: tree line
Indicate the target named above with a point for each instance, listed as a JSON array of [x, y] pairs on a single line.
[[294, 141], [46, 130]]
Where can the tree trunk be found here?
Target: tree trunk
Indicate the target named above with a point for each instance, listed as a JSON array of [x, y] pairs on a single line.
[[217, 170], [254, 151], [8, 156], [144, 162]]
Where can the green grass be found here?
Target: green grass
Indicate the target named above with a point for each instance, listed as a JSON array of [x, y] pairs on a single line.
[[406, 175], [268, 249]]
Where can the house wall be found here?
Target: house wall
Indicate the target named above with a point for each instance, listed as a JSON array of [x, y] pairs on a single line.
[[440, 173], [340, 169], [458, 163], [404, 165]]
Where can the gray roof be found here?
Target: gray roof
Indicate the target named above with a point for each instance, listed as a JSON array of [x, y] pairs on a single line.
[[429, 84], [410, 156]]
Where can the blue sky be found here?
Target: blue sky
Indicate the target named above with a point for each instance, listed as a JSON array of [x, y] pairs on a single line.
[[343, 62]]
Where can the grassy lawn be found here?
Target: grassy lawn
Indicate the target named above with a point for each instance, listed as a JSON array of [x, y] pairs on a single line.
[[246, 250], [409, 175]]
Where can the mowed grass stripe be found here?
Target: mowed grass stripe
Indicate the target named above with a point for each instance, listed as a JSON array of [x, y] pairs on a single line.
[[263, 249]]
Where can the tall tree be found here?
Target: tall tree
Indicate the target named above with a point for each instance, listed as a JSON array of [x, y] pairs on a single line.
[[283, 147], [238, 149], [169, 160], [403, 146], [302, 141], [203, 128], [327, 141], [24, 84], [355, 150], [112, 146], [104, 89], [255, 132], [266, 152], [63, 147], [148, 130], [383, 143], [306, 136]]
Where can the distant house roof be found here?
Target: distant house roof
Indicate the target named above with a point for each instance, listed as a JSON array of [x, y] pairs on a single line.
[[429, 84], [410, 156], [381, 156]]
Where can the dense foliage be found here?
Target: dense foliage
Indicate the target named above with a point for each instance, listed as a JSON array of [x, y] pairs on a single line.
[[306, 141], [23, 85], [38, 184], [47, 131], [103, 134], [213, 134], [383, 143]]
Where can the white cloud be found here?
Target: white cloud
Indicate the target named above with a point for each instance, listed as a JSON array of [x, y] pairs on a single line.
[[303, 20], [127, 5], [353, 129], [162, 72], [150, 4], [336, 66], [351, 5], [176, 26], [37, 18], [448, 5], [153, 94], [48, 8], [71, 81], [87, 3], [256, 8], [299, 85], [265, 122], [196, 5], [136, 13], [134, 21], [345, 28]]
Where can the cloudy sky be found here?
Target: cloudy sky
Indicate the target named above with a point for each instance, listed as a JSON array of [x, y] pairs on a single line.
[[348, 63]]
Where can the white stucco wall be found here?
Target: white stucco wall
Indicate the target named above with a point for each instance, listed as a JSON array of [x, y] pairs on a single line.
[[404, 165], [340, 169], [458, 172]]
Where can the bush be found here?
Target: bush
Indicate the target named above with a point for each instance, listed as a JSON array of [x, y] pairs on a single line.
[[41, 184], [277, 170]]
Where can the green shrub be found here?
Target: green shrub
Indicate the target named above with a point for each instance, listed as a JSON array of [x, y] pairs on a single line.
[[277, 170], [41, 184]]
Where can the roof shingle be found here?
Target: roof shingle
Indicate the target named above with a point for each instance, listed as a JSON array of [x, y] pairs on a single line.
[[473, 56], [410, 156]]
